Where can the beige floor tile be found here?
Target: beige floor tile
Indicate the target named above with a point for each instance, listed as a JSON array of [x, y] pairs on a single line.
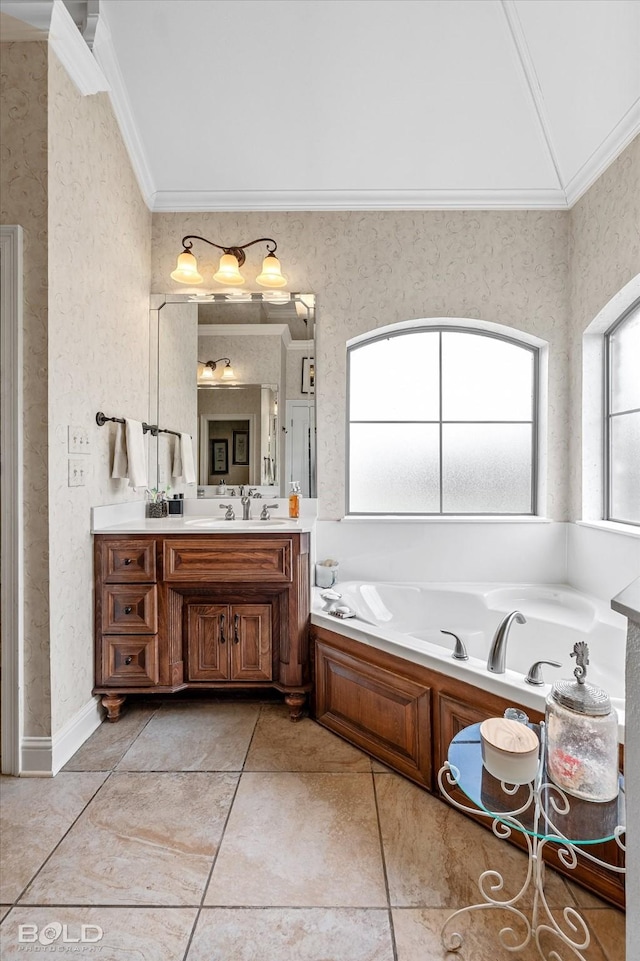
[[279, 745], [608, 928], [435, 855], [146, 839], [4, 910], [36, 814], [128, 934], [194, 736], [292, 934], [418, 937], [300, 840], [105, 747]]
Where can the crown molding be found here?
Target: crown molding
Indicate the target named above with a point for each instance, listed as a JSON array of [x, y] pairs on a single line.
[[246, 330], [603, 156], [252, 200], [67, 43], [105, 54]]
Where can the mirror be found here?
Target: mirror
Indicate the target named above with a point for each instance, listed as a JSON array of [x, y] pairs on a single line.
[[251, 410]]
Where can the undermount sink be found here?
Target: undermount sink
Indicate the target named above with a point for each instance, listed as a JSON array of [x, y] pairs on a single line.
[[221, 523]]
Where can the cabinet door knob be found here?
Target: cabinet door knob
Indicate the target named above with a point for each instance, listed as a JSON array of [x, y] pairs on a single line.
[[127, 561], [236, 624], [128, 659], [128, 609], [222, 637]]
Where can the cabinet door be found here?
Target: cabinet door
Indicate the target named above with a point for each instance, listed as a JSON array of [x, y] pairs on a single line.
[[208, 638], [376, 702], [250, 642]]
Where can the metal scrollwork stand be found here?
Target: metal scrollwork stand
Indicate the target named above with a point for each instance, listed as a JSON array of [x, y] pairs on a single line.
[[544, 801]]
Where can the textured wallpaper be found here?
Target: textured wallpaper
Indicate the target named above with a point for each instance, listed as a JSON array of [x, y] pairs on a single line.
[[604, 255], [375, 268], [99, 237], [23, 193]]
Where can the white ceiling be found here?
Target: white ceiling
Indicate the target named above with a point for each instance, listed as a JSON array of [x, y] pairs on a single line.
[[371, 104]]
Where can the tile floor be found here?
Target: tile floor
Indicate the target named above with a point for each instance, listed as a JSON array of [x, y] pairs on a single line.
[[220, 831]]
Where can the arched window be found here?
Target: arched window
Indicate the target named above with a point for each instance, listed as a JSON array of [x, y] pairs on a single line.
[[441, 420], [622, 419]]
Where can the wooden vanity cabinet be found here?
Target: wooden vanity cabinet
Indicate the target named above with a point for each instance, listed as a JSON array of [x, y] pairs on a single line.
[[406, 715], [221, 611]]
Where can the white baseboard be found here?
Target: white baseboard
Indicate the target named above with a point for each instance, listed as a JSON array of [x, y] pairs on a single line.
[[36, 757], [44, 756]]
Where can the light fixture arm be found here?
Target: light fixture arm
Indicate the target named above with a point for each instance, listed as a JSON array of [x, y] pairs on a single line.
[[213, 363], [237, 251]]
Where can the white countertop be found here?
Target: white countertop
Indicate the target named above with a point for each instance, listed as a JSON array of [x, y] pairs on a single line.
[[202, 516]]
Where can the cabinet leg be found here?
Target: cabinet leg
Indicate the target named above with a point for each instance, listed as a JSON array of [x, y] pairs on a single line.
[[113, 703], [295, 703]]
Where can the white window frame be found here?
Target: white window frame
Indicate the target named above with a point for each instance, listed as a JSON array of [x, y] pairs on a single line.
[[520, 338], [607, 416], [593, 409]]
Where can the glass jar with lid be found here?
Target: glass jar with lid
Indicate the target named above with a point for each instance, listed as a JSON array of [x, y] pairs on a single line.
[[582, 735]]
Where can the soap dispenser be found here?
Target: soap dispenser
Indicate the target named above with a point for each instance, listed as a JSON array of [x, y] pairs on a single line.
[[294, 500], [582, 735]]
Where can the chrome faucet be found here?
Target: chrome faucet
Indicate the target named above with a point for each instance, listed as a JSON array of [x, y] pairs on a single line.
[[498, 652], [245, 500]]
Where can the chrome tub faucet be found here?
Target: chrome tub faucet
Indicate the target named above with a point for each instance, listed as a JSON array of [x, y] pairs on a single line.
[[498, 653]]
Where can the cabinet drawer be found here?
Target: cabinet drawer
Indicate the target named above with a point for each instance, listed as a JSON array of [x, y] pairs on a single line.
[[246, 559], [129, 609], [128, 561], [130, 660]]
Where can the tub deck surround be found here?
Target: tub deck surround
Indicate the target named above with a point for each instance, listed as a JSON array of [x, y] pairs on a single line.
[[405, 712], [386, 680], [408, 620]]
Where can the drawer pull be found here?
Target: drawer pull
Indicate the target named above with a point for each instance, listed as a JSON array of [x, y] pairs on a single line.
[[128, 659], [128, 609], [236, 622], [222, 637], [127, 561]]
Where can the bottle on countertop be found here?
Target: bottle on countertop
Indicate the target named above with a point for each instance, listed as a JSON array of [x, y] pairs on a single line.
[[294, 500]]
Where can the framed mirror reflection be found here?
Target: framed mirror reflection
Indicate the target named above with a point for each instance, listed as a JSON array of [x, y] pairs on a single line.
[[237, 367]]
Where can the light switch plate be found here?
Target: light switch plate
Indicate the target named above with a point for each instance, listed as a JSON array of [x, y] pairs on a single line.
[[78, 440], [77, 472]]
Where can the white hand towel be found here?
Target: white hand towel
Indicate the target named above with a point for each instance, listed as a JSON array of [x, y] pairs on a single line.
[[129, 458], [120, 454], [186, 454], [136, 457], [176, 467]]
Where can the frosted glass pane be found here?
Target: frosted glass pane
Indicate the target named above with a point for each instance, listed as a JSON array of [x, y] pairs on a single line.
[[396, 378], [625, 468], [394, 468], [485, 379], [625, 364], [486, 468]]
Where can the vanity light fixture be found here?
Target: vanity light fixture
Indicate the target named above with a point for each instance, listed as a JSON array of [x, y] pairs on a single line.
[[210, 366], [232, 259]]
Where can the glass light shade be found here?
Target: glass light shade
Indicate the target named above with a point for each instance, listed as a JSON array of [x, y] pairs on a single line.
[[227, 373], [186, 271], [206, 374], [228, 271], [271, 275]]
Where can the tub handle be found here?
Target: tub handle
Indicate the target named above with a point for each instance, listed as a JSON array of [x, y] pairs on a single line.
[[459, 651], [535, 672]]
